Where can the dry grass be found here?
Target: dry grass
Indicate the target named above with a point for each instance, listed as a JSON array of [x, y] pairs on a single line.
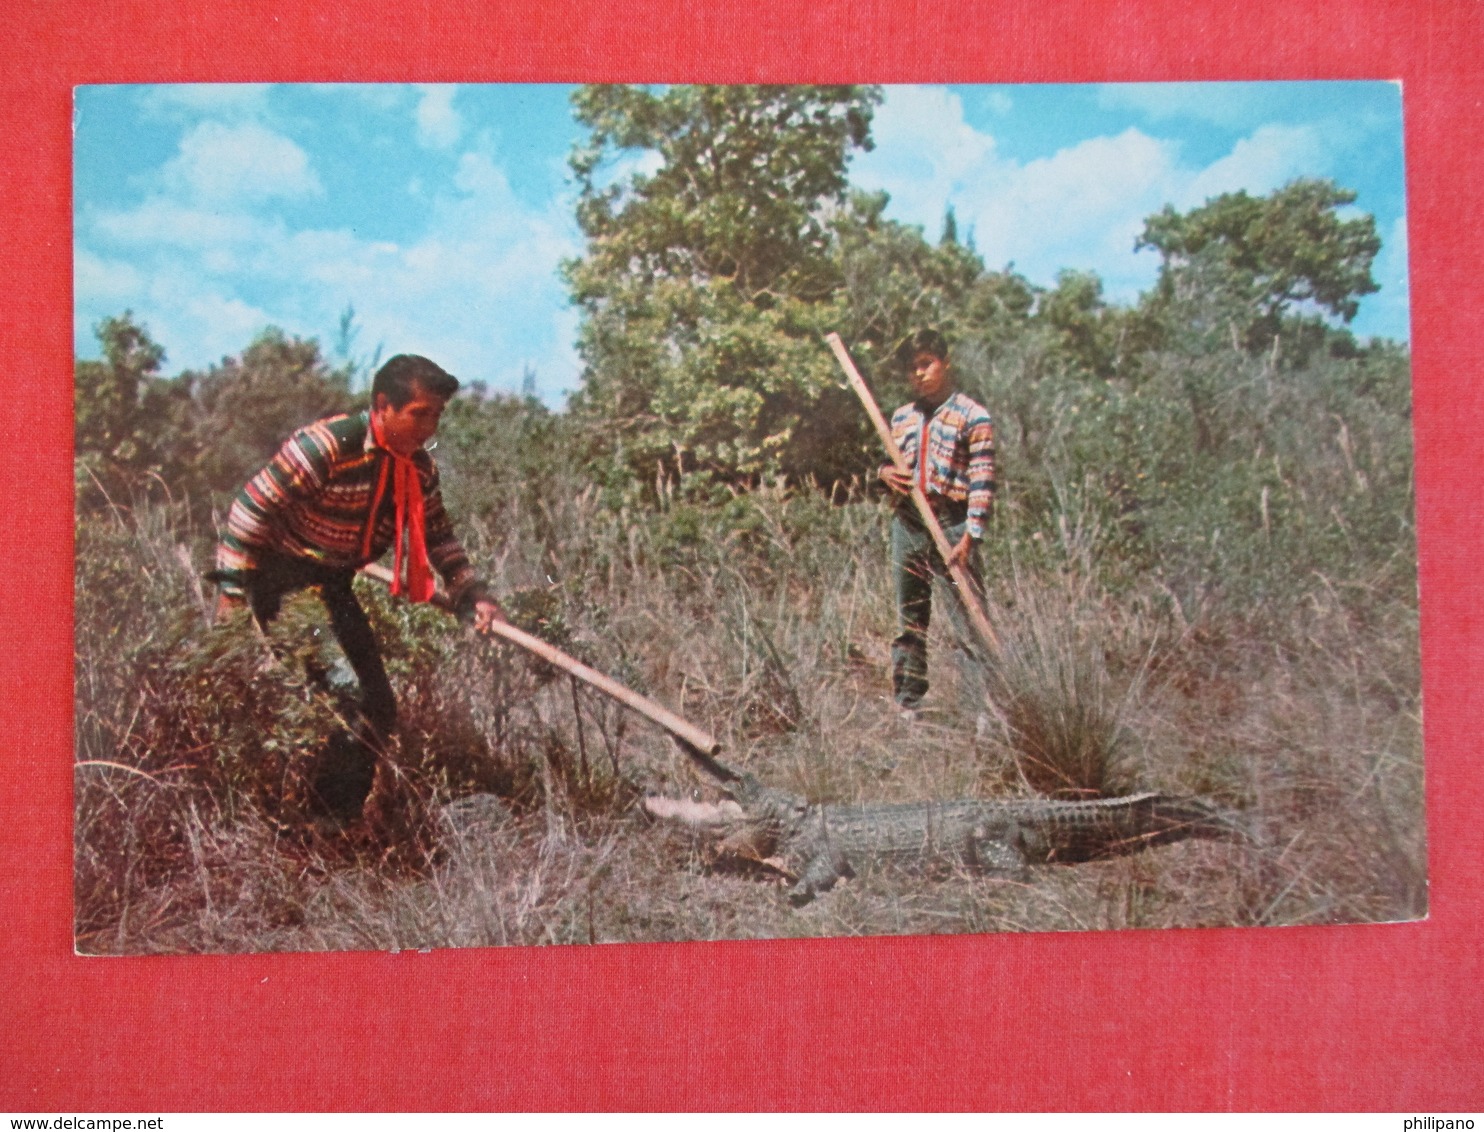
[[775, 637], [1059, 713]]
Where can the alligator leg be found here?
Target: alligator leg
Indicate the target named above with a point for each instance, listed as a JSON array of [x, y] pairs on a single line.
[[819, 874], [999, 851]]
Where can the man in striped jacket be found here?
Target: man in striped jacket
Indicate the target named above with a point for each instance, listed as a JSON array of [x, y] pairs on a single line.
[[948, 442], [340, 493]]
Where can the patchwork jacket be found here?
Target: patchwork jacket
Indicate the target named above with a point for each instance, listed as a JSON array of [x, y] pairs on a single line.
[[957, 439], [312, 501]]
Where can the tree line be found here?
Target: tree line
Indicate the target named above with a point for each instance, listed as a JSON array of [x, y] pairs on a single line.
[[711, 273]]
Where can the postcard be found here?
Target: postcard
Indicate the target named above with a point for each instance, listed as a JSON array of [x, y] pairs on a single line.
[[530, 514]]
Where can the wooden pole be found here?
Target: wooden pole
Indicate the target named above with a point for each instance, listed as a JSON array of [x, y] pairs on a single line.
[[962, 583], [681, 728]]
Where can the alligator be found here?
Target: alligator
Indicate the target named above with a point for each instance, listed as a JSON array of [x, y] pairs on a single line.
[[816, 845]]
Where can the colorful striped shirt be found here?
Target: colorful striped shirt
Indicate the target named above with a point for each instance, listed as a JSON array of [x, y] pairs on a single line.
[[959, 441], [313, 501]]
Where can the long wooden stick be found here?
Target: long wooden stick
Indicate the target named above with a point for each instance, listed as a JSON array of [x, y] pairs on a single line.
[[681, 728], [962, 583]]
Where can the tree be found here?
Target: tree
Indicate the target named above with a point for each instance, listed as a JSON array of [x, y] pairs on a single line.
[[198, 433], [1274, 252], [950, 227], [709, 274], [129, 422], [893, 281], [247, 406], [1081, 320], [355, 366], [746, 175], [502, 454]]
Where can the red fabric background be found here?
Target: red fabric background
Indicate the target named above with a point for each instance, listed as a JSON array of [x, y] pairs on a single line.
[[1330, 1018]]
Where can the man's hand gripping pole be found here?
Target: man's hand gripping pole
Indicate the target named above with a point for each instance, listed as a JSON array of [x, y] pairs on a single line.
[[695, 741]]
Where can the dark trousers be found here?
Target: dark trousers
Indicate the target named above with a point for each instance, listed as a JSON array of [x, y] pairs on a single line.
[[916, 564], [346, 767]]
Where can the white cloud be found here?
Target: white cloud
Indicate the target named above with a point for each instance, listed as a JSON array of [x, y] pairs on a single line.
[[221, 100], [1230, 104], [218, 163], [1391, 265], [207, 269], [1082, 207], [196, 319], [558, 372], [101, 285], [377, 96], [214, 324], [438, 123], [477, 175], [926, 153], [1268, 159], [926, 125], [473, 285], [166, 222], [109, 281]]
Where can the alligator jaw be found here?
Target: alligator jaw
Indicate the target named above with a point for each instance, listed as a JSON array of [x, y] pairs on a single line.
[[696, 815]]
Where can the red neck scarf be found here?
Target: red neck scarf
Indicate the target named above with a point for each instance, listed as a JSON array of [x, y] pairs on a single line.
[[407, 491]]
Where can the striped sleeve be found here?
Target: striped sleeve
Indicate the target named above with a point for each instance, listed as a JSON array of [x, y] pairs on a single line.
[[298, 472], [981, 473], [904, 431]]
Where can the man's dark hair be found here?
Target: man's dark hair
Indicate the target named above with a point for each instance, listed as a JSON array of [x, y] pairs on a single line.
[[397, 378], [923, 342]]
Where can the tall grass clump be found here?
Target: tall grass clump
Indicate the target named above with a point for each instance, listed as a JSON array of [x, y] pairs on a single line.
[[1052, 696]]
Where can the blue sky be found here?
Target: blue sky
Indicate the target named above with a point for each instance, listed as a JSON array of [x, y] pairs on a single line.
[[440, 213]]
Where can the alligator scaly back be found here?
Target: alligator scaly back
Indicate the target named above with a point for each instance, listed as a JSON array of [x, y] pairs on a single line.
[[818, 844]]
